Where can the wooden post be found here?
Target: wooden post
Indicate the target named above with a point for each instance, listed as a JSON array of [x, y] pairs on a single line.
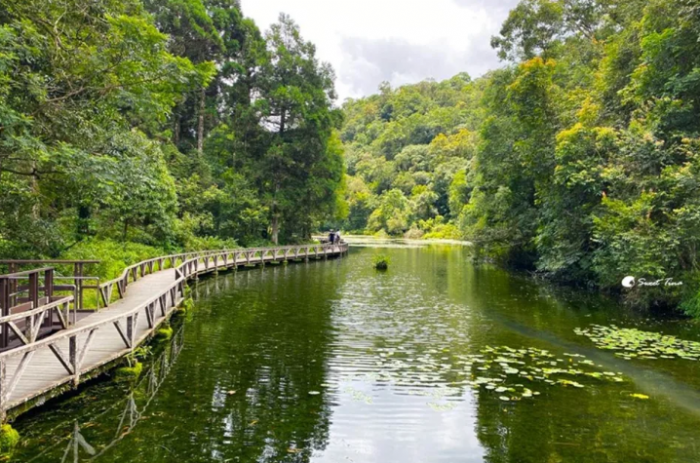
[[3, 389], [73, 358], [34, 289], [12, 286], [5, 306]]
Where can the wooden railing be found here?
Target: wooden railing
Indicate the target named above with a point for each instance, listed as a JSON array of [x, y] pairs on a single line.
[[77, 340], [78, 280], [137, 271], [26, 298]]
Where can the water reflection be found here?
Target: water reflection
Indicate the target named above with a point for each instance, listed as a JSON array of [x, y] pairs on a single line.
[[332, 361], [89, 437]]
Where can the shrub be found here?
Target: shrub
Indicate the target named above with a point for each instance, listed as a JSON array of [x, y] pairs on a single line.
[[164, 334], [413, 234], [130, 372], [381, 262], [9, 438]]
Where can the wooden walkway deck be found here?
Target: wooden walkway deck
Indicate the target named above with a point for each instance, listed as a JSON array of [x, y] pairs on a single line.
[[147, 293]]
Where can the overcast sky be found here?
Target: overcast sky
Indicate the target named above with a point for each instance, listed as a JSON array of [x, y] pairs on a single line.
[[399, 41]]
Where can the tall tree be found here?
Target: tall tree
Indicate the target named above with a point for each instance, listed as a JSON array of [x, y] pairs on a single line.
[[295, 102]]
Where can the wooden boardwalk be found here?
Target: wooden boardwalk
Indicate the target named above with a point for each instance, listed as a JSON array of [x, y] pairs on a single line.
[[146, 294]]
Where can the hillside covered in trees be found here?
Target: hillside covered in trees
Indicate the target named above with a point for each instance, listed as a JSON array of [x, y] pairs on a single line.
[[132, 127], [579, 159], [169, 124]]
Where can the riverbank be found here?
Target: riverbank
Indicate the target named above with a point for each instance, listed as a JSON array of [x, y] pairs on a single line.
[[367, 239]]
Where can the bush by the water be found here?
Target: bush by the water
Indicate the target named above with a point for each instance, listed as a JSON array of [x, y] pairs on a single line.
[[129, 373], [381, 262], [164, 334], [9, 438]]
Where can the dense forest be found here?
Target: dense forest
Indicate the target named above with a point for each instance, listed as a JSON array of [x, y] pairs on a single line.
[[132, 127], [578, 160]]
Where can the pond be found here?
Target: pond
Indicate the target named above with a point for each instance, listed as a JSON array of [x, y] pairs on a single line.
[[434, 360]]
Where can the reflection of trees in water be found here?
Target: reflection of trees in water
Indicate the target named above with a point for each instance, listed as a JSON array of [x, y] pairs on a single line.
[[265, 335], [256, 344], [80, 444], [581, 426]]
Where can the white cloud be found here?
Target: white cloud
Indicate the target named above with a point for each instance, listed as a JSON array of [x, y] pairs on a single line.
[[402, 41]]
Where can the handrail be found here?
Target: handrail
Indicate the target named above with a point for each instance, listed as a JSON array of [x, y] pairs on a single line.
[[72, 332], [10, 300], [166, 300], [177, 283], [23, 274], [34, 311], [122, 281]]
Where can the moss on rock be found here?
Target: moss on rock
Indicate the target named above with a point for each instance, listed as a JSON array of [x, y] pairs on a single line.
[[164, 334], [129, 373], [9, 438]]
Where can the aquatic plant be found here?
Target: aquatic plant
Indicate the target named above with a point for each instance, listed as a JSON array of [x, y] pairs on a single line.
[[632, 343], [510, 374], [381, 262], [164, 334], [128, 373], [9, 438]]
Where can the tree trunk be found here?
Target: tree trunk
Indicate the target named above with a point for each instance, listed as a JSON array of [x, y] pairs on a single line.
[[275, 225], [275, 228], [200, 126], [35, 190]]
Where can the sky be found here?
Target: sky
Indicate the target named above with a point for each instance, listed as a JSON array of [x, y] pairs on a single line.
[[400, 41]]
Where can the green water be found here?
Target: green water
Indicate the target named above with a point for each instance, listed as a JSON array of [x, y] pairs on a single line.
[[333, 361]]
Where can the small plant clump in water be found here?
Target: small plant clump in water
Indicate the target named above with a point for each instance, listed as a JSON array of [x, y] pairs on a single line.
[[164, 334], [381, 262], [632, 343], [129, 372], [9, 438]]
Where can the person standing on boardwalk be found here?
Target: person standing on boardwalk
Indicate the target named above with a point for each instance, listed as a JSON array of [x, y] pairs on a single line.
[[337, 237], [331, 236]]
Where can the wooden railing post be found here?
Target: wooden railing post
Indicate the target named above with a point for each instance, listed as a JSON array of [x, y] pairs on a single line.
[[5, 309], [73, 358], [3, 389]]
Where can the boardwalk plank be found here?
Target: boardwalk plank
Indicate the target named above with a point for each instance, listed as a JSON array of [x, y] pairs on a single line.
[[45, 372]]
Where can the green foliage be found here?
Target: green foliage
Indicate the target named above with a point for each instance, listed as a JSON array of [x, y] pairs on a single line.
[[381, 262], [578, 160], [164, 334], [9, 438], [403, 151], [114, 256], [152, 122], [129, 373]]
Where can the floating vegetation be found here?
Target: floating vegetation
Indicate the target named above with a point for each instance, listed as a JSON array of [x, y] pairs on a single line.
[[9, 438], [630, 343], [639, 396], [358, 395], [509, 374], [442, 407], [510, 369], [381, 262]]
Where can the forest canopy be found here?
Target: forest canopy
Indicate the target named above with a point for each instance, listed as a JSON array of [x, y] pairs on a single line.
[[152, 125], [578, 160], [165, 123]]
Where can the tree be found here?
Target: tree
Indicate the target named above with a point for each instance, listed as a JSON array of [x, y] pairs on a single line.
[[295, 101]]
